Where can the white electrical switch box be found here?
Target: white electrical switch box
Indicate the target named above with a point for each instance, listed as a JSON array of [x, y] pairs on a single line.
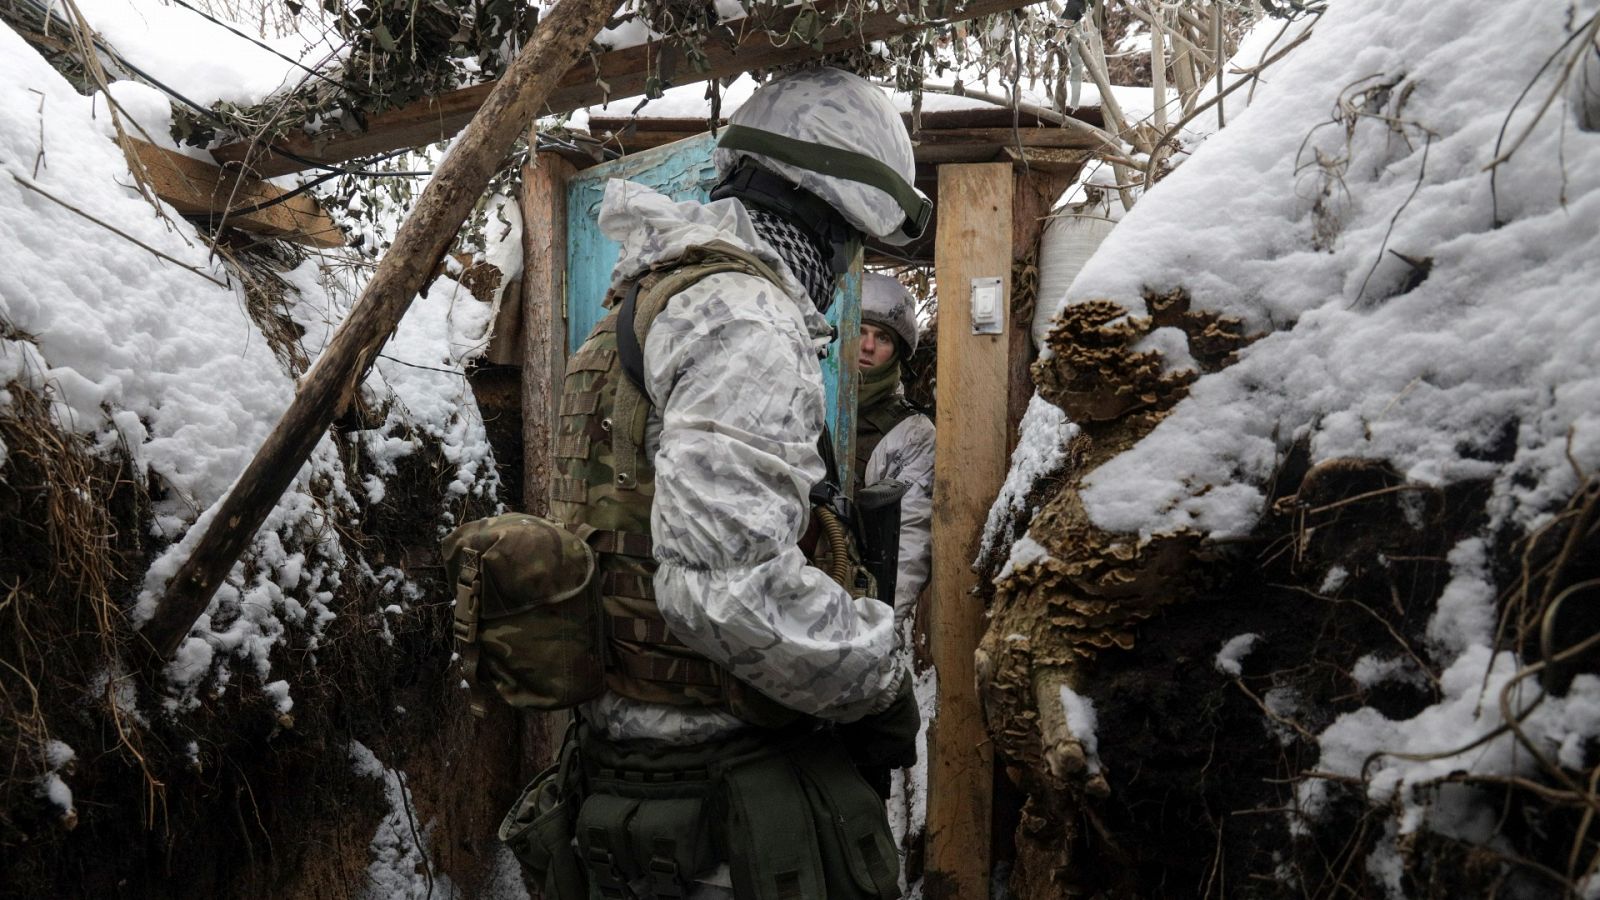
[[988, 306]]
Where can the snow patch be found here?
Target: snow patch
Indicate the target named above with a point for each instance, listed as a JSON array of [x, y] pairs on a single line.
[[1043, 437], [1079, 711], [1465, 614], [1230, 659], [1360, 355], [399, 867]]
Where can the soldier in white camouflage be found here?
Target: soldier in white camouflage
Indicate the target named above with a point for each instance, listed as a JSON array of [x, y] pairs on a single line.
[[894, 440], [714, 762]]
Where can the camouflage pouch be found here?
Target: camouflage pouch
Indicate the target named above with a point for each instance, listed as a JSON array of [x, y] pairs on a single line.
[[527, 618], [539, 829]]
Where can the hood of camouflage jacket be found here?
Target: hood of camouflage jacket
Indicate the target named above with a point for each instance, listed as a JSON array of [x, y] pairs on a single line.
[[655, 229]]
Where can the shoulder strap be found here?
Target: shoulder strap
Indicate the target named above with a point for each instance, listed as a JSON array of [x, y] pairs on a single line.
[[636, 315], [887, 415], [630, 351]]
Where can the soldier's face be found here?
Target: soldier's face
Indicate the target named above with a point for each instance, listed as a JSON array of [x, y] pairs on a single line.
[[877, 346]]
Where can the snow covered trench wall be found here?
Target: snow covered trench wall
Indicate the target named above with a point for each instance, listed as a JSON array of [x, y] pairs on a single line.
[[133, 390], [1307, 614]]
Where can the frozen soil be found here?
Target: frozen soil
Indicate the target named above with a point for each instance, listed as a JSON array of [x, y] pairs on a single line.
[[235, 797], [1202, 768]]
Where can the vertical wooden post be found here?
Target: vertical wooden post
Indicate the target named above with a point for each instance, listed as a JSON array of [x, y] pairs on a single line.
[[544, 364], [974, 241], [544, 320]]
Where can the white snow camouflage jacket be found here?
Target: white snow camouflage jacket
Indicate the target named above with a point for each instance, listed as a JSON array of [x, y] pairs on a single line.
[[906, 455], [732, 372]]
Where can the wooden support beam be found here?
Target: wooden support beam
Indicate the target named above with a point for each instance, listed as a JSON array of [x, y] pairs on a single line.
[[740, 46], [1052, 161], [544, 320], [985, 116], [544, 356], [974, 241], [194, 187], [932, 146], [418, 249]]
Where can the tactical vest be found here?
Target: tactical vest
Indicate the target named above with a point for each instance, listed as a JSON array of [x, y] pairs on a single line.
[[872, 425], [605, 480]]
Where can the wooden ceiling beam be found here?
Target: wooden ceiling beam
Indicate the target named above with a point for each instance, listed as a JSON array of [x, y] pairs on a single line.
[[740, 46], [196, 188], [931, 120], [954, 145]]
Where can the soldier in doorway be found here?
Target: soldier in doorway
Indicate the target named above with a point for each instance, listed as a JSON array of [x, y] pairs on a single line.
[[894, 440], [742, 686]]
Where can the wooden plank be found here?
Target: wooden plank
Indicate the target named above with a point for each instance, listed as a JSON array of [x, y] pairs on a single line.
[[417, 252], [741, 46], [543, 204], [1009, 137], [544, 323], [194, 187], [974, 242], [986, 116], [933, 146], [1054, 161]]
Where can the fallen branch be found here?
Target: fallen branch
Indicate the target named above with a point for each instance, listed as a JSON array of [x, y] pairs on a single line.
[[559, 39]]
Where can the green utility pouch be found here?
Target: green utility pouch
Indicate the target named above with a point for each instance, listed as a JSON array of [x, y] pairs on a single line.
[[802, 823], [787, 811], [646, 820], [859, 859], [528, 618], [772, 842], [538, 830]]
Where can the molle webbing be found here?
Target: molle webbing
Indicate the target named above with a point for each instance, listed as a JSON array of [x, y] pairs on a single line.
[[604, 479]]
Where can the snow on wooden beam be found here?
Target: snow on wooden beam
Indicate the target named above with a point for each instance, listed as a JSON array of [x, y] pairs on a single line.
[[616, 73], [194, 187]]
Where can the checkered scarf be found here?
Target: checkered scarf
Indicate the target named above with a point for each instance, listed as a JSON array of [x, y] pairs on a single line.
[[802, 252]]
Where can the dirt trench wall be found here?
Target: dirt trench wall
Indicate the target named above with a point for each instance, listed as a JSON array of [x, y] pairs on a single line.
[[1189, 783], [113, 785]]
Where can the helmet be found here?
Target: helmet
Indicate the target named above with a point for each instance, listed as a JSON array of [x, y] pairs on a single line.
[[886, 303], [837, 137]]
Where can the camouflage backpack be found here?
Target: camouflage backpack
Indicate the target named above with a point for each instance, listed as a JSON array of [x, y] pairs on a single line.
[[553, 612]]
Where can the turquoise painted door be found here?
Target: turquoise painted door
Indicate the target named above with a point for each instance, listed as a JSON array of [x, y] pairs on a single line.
[[683, 171]]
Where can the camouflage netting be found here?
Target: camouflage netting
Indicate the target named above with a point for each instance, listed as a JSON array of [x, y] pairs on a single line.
[[1196, 772]]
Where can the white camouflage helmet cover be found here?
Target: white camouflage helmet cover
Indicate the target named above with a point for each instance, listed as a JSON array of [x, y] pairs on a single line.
[[885, 302], [834, 108]]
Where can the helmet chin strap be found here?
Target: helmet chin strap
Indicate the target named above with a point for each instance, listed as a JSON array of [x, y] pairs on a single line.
[[752, 184]]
